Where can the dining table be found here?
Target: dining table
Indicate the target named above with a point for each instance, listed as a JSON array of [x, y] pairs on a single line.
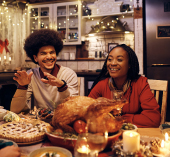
[[144, 132]]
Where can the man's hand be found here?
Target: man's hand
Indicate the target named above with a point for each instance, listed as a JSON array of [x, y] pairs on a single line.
[[52, 80], [22, 77], [10, 151]]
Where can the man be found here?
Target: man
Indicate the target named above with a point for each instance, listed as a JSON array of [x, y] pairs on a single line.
[[49, 84]]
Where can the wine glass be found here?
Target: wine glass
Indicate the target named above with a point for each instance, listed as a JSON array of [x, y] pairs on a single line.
[[117, 95], [97, 134], [81, 148]]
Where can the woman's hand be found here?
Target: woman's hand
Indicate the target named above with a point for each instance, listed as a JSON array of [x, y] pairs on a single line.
[[10, 151], [22, 77], [52, 80]]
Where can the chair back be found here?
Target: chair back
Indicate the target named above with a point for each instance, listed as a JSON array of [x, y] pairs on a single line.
[[160, 90]]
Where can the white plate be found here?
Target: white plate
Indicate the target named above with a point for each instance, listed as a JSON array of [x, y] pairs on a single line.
[[46, 149], [159, 155], [5, 140]]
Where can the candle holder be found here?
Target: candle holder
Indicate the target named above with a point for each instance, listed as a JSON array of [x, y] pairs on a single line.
[[118, 151], [6, 65]]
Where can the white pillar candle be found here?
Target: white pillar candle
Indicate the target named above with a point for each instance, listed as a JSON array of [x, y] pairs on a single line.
[[167, 142], [131, 141], [163, 150]]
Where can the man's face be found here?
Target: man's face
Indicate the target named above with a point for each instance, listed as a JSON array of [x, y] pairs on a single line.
[[46, 58]]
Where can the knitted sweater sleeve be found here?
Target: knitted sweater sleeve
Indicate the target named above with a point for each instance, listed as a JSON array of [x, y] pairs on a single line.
[[70, 77], [149, 114]]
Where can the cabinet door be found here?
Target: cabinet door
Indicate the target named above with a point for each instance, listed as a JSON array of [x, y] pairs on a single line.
[[40, 17], [67, 17]]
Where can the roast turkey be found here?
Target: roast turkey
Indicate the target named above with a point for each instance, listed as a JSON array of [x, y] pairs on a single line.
[[82, 108]]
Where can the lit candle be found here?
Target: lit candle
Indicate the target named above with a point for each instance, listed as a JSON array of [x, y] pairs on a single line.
[[0, 59], [10, 59], [163, 150], [131, 141], [167, 142], [84, 150], [4, 57]]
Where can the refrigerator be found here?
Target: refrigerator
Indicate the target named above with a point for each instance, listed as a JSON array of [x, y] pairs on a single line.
[[156, 26]]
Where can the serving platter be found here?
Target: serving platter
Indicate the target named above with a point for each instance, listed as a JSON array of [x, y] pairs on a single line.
[[69, 143], [29, 143]]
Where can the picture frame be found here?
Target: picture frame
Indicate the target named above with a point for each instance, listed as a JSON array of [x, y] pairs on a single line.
[[111, 45], [163, 31]]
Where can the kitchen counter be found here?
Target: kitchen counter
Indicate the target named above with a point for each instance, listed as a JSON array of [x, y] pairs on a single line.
[[7, 77]]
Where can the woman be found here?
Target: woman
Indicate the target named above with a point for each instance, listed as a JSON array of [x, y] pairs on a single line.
[[121, 72]]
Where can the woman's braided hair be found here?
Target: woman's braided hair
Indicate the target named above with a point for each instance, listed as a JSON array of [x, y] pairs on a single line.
[[133, 72], [40, 38]]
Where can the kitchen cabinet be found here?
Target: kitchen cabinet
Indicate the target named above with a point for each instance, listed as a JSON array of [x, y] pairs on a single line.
[[39, 17], [63, 17], [67, 21]]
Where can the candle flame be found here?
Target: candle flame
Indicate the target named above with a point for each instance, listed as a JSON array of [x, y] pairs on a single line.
[[166, 136], [131, 135], [84, 148], [162, 143]]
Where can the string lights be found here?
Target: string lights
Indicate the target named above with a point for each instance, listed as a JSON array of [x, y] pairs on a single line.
[[13, 17]]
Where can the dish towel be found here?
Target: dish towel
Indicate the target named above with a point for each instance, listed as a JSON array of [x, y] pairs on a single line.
[[165, 126], [4, 144]]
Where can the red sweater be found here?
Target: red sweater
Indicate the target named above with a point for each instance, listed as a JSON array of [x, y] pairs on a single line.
[[142, 109]]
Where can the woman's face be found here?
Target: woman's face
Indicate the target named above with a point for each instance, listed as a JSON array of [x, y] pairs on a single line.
[[118, 63]]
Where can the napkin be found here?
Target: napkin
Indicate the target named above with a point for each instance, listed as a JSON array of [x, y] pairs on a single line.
[[165, 126], [4, 143]]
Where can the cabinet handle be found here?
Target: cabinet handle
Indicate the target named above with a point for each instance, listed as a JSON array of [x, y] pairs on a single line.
[[160, 65]]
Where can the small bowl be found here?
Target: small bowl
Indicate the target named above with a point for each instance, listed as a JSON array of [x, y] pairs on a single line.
[[50, 149], [3, 112], [135, 128]]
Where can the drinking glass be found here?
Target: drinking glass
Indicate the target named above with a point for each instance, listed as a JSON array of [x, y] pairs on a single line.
[[97, 134]]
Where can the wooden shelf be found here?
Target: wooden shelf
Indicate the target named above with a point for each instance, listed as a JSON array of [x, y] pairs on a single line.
[[113, 14]]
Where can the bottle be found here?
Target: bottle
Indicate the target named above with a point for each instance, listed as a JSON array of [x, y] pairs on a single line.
[[96, 54], [100, 54]]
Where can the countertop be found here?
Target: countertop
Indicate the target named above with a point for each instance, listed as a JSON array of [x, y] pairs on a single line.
[[7, 77]]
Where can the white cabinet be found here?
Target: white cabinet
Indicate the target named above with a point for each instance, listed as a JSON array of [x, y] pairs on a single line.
[[39, 17], [67, 21], [63, 17]]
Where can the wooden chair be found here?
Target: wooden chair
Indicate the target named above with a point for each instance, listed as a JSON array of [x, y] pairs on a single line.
[[160, 88]]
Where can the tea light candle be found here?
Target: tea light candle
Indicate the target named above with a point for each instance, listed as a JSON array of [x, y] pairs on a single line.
[[131, 141], [83, 149]]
